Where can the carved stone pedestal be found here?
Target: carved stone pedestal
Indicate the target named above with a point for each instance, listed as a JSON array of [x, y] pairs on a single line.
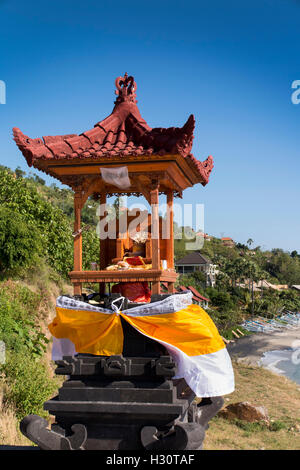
[[122, 402], [116, 403]]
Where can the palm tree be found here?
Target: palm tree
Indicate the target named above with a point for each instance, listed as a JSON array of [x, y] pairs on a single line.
[[249, 242]]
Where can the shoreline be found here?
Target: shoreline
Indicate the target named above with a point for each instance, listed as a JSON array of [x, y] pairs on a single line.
[[252, 348]]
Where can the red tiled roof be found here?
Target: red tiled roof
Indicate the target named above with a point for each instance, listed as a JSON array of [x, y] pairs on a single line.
[[124, 132], [197, 294], [183, 288], [165, 285]]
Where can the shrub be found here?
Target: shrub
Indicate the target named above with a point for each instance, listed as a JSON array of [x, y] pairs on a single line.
[[28, 383], [277, 426], [37, 216], [24, 373], [90, 248], [220, 299], [18, 308], [20, 242]]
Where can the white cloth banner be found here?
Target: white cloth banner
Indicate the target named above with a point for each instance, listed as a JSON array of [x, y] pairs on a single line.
[[116, 176]]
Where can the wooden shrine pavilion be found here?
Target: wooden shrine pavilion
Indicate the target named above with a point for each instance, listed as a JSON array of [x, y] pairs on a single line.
[[158, 161]]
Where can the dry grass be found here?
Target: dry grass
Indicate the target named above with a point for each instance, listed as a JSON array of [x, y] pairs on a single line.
[[279, 395], [9, 425], [9, 430]]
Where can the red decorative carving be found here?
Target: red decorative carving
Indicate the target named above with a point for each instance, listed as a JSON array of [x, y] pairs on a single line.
[[126, 88]]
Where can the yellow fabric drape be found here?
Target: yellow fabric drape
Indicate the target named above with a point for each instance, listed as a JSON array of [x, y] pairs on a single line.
[[191, 330], [91, 332]]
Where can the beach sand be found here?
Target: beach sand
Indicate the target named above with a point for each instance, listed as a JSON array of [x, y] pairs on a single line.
[[251, 348]]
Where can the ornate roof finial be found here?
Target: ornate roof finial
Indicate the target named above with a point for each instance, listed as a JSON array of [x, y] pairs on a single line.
[[126, 88]]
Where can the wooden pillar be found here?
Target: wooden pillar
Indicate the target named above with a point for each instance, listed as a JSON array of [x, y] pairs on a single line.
[[170, 237], [170, 231], [102, 260], [155, 234], [77, 240]]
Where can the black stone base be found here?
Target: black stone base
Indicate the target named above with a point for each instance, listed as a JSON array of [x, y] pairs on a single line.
[[117, 403]]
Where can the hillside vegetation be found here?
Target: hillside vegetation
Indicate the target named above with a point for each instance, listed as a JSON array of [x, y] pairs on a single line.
[[36, 254], [234, 298]]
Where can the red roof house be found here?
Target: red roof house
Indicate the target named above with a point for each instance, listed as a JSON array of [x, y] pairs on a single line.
[[197, 297], [227, 241]]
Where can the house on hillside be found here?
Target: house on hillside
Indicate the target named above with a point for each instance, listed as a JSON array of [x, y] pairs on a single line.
[[268, 285], [206, 237], [195, 261], [227, 241], [263, 284]]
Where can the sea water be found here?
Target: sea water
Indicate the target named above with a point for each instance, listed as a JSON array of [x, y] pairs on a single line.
[[285, 362]]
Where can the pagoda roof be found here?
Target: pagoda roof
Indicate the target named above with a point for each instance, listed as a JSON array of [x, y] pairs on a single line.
[[124, 133]]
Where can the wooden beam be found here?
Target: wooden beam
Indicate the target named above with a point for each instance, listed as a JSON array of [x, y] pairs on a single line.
[[171, 288], [240, 332], [77, 238], [142, 189], [103, 246], [235, 334], [92, 185], [155, 233], [170, 230], [128, 275]]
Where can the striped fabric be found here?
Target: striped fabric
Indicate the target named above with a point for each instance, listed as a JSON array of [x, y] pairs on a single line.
[[185, 329]]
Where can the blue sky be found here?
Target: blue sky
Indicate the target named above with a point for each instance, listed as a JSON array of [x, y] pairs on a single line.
[[230, 63]]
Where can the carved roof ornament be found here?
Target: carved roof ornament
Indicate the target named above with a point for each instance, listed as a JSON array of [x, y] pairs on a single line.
[[126, 87]]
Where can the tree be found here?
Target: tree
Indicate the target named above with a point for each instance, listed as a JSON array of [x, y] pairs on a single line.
[[20, 242], [20, 196], [20, 173], [220, 299], [90, 248], [39, 180], [249, 242], [283, 267]]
